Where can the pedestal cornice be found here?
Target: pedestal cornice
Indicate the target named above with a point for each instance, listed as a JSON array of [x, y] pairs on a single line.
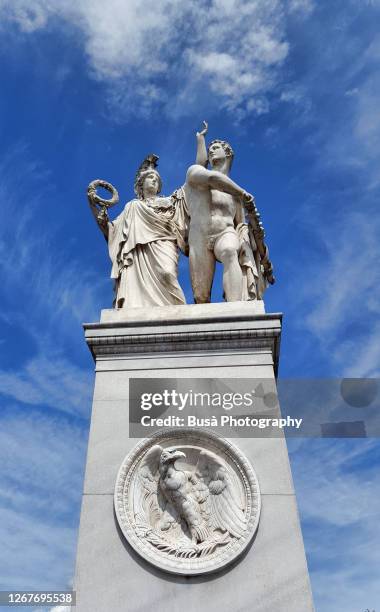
[[227, 327]]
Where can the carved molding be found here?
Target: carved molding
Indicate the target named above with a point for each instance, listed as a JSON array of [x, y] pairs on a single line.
[[186, 341], [257, 333]]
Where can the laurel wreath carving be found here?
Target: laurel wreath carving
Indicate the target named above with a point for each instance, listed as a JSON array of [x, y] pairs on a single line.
[[190, 551]]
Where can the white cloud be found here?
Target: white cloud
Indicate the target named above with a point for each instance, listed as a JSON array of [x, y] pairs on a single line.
[[343, 82], [337, 485], [28, 18], [58, 285], [40, 454], [49, 380], [349, 272], [38, 555], [341, 290], [354, 142], [230, 48], [360, 357], [367, 123], [42, 462], [49, 295], [58, 289], [305, 6], [326, 486]]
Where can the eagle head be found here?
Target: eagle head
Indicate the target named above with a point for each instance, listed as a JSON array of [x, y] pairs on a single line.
[[170, 455]]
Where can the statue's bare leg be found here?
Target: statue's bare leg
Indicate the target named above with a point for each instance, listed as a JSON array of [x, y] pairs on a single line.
[[202, 269], [226, 251]]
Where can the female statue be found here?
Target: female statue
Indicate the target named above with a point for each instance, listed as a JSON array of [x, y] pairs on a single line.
[[143, 242]]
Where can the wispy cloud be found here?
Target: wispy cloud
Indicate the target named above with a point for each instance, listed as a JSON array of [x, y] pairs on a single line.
[[174, 53], [48, 294], [340, 290], [40, 482], [334, 479], [306, 6], [364, 354], [337, 484], [355, 141], [349, 272], [39, 555], [340, 82], [50, 380], [43, 281]]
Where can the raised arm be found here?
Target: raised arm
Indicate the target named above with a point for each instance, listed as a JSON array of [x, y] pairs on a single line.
[[101, 218], [201, 178], [201, 159]]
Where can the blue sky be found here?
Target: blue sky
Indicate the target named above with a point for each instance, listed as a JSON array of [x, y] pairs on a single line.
[[87, 93]]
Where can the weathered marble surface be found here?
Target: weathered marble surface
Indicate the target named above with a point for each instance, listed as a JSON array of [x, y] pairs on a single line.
[[210, 218], [188, 501], [218, 229], [271, 577], [186, 331], [143, 242], [227, 341], [192, 313]]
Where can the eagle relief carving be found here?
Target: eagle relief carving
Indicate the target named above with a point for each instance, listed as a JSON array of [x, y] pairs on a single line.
[[188, 501]]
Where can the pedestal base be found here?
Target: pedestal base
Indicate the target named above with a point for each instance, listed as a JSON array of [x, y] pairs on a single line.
[[202, 341]]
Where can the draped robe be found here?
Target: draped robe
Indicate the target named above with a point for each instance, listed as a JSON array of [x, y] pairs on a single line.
[[143, 246]]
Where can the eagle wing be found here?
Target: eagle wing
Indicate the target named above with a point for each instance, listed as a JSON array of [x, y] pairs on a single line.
[[146, 501], [149, 502], [217, 496]]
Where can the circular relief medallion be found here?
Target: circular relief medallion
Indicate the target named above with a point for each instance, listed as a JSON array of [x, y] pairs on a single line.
[[187, 501]]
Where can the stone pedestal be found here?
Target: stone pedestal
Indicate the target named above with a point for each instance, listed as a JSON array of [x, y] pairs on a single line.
[[229, 340]]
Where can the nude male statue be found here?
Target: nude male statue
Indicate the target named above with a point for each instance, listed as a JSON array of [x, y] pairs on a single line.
[[216, 211]]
